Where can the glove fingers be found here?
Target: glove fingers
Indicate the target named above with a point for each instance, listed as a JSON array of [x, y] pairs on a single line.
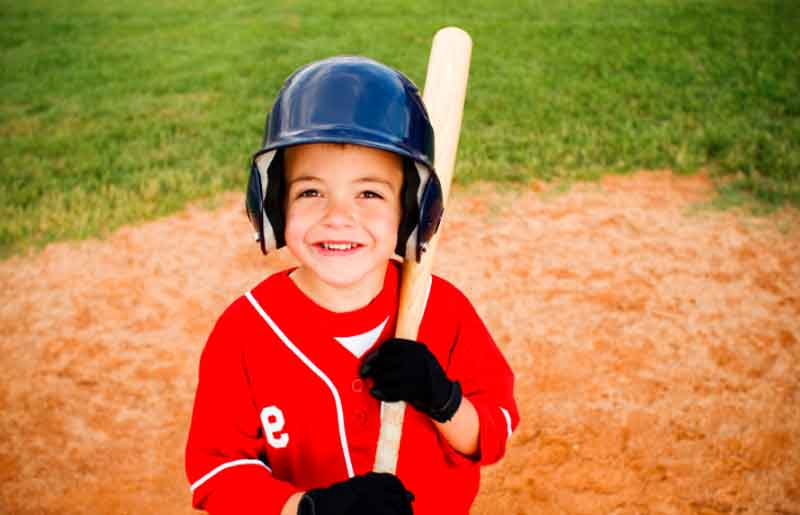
[[392, 377], [391, 387], [393, 509], [405, 370], [370, 494], [390, 367], [380, 494], [387, 505], [368, 364], [382, 358]]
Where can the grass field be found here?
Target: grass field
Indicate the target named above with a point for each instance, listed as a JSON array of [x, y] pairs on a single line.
[[111, 113]]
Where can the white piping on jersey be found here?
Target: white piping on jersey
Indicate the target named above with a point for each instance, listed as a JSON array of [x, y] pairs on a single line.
[[224, 466], [318, 372], [427, 294], [508, 421]]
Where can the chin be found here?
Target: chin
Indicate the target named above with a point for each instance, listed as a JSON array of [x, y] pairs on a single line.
[[347, 273], [340, 281], [344, 276]]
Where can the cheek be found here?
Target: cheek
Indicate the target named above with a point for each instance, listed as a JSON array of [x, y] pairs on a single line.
[[387, 224], [296, 226]]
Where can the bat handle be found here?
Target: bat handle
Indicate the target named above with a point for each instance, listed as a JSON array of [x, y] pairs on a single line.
[[392, 414]]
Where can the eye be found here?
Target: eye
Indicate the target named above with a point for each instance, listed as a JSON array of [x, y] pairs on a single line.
[[308, 193], [370, 194]]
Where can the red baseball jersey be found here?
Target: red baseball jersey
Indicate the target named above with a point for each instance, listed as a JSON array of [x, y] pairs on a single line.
[[280, 406]]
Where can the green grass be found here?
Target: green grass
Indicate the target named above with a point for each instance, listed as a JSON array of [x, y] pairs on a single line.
[[115, 112]]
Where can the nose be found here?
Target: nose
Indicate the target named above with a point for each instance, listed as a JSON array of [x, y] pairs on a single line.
[[339, 212]]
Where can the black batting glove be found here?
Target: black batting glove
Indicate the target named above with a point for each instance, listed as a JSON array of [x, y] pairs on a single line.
[[370, 494], [405, 370]]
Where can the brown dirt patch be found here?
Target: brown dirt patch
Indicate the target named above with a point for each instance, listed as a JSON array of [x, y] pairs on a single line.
[[657, 351]]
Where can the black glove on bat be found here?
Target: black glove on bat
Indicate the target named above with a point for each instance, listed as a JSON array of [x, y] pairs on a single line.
[[405, 370], [370, 494]]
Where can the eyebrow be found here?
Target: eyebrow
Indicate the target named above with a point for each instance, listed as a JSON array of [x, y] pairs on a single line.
[[305, 178], [359, 180], [378, 180]]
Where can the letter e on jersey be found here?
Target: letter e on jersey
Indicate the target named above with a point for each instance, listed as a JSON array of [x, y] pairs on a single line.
[[273, 422]]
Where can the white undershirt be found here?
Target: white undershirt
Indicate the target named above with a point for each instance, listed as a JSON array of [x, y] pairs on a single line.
[[359, 343]]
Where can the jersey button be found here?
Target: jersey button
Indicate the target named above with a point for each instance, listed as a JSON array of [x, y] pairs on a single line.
[[357, 385], [361, 416]]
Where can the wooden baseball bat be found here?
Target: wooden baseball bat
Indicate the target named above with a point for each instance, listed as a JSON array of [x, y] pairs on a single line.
[[445, 89]]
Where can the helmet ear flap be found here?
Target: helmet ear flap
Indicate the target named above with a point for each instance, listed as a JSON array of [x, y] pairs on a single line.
[[431, 209], [258, 186], [274, 198], [423, 207], [254, 204], [410, 204]]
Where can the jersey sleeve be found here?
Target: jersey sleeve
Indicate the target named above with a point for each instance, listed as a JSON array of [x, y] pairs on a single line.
[[225, 460], [486, 380]]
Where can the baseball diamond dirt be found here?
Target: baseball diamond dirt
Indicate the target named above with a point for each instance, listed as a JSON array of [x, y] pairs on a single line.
[[656, 347]]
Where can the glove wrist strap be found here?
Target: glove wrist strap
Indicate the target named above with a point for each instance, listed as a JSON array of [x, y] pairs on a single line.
[[446, 412]]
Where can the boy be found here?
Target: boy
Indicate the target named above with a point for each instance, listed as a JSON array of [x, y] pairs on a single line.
[[287, 409]]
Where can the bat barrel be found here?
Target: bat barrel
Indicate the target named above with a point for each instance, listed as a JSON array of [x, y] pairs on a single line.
[[444, 94]]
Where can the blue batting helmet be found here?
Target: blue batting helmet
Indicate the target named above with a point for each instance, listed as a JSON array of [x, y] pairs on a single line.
[[348, 99]]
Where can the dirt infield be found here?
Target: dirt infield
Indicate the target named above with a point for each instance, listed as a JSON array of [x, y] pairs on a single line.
[[656, 348]]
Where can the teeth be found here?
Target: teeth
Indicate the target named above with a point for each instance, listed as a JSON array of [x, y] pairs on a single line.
[[338, 246]]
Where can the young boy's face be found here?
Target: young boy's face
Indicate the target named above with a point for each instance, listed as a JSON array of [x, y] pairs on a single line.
[[343, 211]]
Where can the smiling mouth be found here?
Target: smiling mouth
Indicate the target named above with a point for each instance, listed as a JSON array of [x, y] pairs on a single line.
[[337, 246]]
